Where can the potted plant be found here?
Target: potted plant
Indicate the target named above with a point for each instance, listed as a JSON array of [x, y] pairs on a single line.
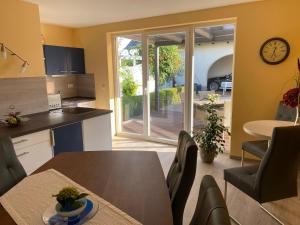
[[14, 119], [210, 138], [70, 202]]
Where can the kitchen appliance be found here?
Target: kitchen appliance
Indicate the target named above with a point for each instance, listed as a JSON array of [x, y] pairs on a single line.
[[54, 101]]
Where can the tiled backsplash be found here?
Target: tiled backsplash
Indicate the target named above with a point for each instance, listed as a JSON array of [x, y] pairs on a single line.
[[28, 95], [72, 85]]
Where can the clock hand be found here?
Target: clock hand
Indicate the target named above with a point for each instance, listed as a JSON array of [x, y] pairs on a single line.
[[274, 51]]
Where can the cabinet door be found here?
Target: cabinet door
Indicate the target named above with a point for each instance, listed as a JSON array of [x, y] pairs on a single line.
[[34, 156], [97, 133], [68, 138], [56, 60], [76, 62]]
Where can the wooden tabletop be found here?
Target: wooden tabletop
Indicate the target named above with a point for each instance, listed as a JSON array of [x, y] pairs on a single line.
[[264, 128], [132, 181]]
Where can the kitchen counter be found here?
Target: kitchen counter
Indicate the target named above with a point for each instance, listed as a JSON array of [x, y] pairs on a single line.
[[46, 120]]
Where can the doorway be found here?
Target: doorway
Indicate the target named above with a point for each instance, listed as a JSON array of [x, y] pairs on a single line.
[[164, 76]]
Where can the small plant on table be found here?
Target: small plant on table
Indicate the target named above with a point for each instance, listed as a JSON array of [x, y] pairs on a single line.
[[70, 202]]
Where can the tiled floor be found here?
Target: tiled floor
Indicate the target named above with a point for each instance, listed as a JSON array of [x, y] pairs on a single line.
[[241, 207]]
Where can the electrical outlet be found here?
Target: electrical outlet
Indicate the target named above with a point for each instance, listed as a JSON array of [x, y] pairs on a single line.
[[70, 85]]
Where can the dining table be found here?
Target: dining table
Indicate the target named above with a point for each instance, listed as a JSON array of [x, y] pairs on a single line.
[[133, 181], [264, 128]]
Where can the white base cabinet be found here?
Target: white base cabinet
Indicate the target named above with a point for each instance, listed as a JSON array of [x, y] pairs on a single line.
[[97, 133], [33, 150]]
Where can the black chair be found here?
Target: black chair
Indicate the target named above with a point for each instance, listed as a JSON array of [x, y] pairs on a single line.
[[275, 177], [259, 148], [211, 208], [181, 175], [11, 170]]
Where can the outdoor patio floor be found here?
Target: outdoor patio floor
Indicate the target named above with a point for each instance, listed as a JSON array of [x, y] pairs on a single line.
[[165, 124]]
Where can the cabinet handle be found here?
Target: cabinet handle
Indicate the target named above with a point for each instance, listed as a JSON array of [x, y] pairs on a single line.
[[22, 154], [19, 142], [73, 71], [52, 138], [63, 71]]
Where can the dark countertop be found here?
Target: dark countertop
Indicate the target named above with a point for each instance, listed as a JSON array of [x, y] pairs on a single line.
[[79, 99], [46, 120]]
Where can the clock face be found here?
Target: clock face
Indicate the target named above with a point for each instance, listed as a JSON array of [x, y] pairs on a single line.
[[275, 51]]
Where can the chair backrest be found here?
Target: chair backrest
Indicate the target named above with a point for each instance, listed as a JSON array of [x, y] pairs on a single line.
[[286, 113], [11, 170], [181, 175], [276, 177], [211, 207]]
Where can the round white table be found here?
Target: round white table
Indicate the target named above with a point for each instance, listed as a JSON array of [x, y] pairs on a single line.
[[264, 128]]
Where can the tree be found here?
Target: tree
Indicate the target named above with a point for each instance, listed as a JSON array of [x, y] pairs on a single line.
[[129, 86], [170, 62]]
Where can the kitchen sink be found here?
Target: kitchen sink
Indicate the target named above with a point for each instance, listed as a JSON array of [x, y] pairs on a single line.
[[77, 110]]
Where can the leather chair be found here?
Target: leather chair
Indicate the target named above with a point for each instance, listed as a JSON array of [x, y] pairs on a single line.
[[259, 147], [211, 208], [11, 170], [275, 177], [181, 175]]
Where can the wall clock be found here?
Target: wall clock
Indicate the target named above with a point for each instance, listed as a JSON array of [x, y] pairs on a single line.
[[275, 51]]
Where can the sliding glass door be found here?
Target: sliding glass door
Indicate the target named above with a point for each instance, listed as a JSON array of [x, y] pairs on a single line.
[[130, 83], [164, 78], [151, 78], [166, 84]]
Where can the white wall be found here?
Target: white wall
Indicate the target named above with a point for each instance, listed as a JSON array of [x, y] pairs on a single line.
[[211, 60], [221, 67], [205, 56]]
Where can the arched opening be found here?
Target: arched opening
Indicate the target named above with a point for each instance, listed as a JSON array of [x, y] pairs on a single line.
[[221, 67]]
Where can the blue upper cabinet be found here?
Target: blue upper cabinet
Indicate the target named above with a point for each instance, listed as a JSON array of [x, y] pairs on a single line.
[[63, 60], [76, 65]]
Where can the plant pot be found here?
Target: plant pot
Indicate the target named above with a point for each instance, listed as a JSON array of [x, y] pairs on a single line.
[[71, 213], [207, 156]]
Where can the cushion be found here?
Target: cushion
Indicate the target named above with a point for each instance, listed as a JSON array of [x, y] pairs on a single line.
[[243, 178], [257, 148], [11, 170]]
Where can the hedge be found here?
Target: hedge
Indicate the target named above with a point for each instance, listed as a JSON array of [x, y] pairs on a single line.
[[133, 105]]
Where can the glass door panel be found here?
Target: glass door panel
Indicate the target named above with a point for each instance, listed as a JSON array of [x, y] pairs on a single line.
[[166, 84], [130, 83], [213, 69]]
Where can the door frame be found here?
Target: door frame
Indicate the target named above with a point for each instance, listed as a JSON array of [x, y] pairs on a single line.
[[189, 30]]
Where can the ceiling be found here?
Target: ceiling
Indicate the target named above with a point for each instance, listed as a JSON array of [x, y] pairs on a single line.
[[210, 34], [81, 13]]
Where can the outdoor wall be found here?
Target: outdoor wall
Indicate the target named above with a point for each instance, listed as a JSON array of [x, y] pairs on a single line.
[[221, 67], [20, 31], [257, 86], [206, 54], [58, 35]]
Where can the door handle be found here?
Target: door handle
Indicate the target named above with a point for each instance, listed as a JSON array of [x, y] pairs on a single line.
[[52, 138], [22, 154]]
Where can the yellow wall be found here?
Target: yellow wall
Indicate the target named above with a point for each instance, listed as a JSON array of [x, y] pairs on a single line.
[[257, 86], [58, 35], [20, 31]]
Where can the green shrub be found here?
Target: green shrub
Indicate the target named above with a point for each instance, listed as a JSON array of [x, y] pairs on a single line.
[[133, 105], [167, 96], [129, 86]]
